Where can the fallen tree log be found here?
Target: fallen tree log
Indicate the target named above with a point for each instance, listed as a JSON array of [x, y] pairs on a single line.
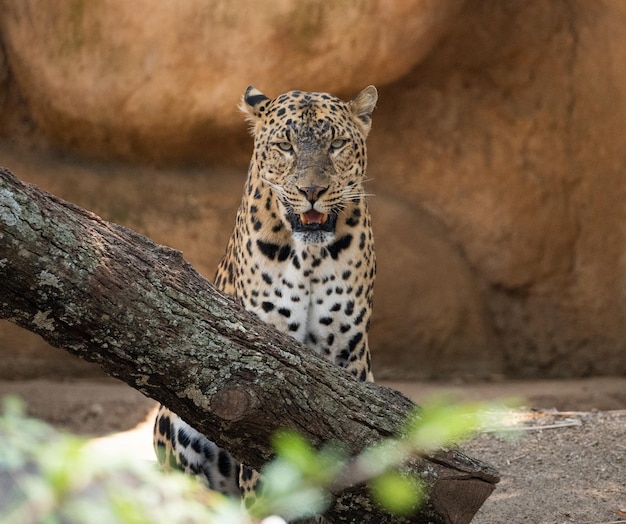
[[111, 296]]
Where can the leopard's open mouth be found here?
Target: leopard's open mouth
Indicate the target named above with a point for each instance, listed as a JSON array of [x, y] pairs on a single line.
[[312, 221]]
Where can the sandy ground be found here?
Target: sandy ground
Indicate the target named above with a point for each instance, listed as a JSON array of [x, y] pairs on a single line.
[[566, 463]]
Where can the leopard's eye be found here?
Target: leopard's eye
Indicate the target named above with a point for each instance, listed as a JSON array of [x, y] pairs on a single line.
[[338, 143], [285, 146]]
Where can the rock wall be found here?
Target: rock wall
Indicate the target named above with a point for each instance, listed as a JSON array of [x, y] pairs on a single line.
[[497, 157], [128, 80], [512, 133]]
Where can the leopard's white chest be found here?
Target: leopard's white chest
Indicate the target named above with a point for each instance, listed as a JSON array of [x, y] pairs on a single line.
[[309, 296]]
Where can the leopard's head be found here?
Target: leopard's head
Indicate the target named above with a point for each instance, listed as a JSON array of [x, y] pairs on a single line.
[[309, 151]]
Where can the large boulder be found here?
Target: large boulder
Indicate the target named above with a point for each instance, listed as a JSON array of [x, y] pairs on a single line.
[[430, 315], [511, 134], [163, 81], [498, 167]]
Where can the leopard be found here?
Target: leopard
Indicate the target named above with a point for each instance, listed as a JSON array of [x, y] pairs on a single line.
[[301, 256]]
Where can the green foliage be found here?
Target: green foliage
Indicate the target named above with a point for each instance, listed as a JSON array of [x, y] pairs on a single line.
[[56, 478], [296, 481], [319, 467], [442, 423], [401, 495], [53, 478]]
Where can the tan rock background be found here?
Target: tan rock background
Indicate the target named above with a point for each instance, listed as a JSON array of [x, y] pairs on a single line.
[[497, 156], [137, 81]]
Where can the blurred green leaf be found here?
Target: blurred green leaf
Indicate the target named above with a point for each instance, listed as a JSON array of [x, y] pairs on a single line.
[[294, 448], [57, 478], [441, 423], [398, 494]]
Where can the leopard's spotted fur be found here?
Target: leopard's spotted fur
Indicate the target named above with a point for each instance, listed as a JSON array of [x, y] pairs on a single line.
[[302, 253]]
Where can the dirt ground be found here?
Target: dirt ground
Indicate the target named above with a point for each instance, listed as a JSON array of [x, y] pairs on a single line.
[[565, 463]]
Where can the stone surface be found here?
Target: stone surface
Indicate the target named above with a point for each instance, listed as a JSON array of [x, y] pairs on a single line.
[[130, 80], [430, 314], [512, 135], [498, 173]]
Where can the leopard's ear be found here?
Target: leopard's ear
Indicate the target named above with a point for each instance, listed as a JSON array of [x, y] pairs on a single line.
[[362, 106], [253, 103]]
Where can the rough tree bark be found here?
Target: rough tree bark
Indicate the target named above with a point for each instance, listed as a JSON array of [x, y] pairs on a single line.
[[111, 296]]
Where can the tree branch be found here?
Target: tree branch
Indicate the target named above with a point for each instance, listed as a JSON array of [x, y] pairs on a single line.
[[111, 296]]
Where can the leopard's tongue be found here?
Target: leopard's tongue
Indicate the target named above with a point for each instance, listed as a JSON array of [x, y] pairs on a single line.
[[313, 217]]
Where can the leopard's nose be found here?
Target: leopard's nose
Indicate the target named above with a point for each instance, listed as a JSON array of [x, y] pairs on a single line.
[[312, 193]]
